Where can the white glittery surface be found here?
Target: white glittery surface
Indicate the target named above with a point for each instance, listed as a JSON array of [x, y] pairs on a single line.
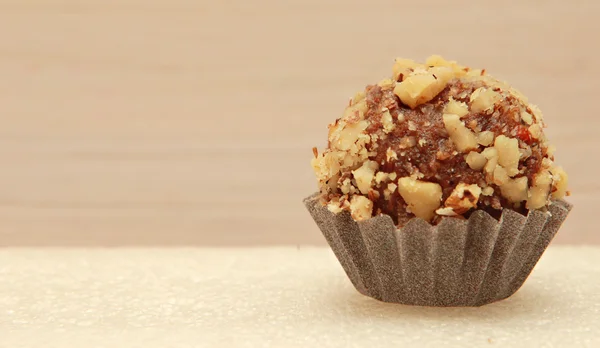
[[275, 297]]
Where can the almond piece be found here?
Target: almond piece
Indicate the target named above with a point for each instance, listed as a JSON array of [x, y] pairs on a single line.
[[492, 156], [540, 190], [456, 107], [361, 208], [508, 154], [461, 136], [463, 198], [484, 99], [515, 190], [422, 198], [364, 176], [475, 160]]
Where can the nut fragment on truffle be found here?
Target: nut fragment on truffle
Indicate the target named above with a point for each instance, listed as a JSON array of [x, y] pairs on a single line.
[[423, 198], [365, 175], [463, 198], [460, 135], [361, 208]]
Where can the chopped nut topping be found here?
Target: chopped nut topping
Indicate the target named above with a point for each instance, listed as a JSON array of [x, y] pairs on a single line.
[[492, 156], [388, 123], [485, 138], [422, 142], [500, 176], [412, 126], [407, 142], [364, 176], [446, 212], [403, 67], [526, 117], [400, 117], [390, 154], [420, 88], [386, 84], [488, 191], [463, 198], [361, 208], [508, 154], [535, 130], [456, 107], [423, 198], [560, 182], [476, 160], [540, 190], [334, 207], [515, 190], [380, 177], [460, 135], [346, 186], [484, 99]]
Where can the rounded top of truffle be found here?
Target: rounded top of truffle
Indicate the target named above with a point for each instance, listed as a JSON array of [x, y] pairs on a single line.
[[437, 139]]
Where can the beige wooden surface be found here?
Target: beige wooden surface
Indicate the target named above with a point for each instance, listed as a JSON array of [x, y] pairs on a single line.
[[162, 122]]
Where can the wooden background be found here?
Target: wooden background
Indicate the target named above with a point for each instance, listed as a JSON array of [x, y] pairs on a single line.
[[186, 122]]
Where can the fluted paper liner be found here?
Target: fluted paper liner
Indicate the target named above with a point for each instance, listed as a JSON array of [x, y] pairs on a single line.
[[456, 263]]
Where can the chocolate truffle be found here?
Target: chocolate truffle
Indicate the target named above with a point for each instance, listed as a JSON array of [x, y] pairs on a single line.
[[437, 140]]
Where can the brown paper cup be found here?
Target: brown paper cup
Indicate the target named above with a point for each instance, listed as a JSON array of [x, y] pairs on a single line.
[[456, 263]]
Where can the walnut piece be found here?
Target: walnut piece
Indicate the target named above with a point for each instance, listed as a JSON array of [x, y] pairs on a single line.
[[463, 198], [419, 88], [456, 107], [361, 208], [508, 154], [484, 99], [461, 136], [407, 142], [540, 190], [485, 138], [403, 68], [364, 176], [422, 198], [535, 130], [487, 191], [345, 135], [526, 117], [390, 154], [559, 183], [387, 122], [515, 190], [475, 160]]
